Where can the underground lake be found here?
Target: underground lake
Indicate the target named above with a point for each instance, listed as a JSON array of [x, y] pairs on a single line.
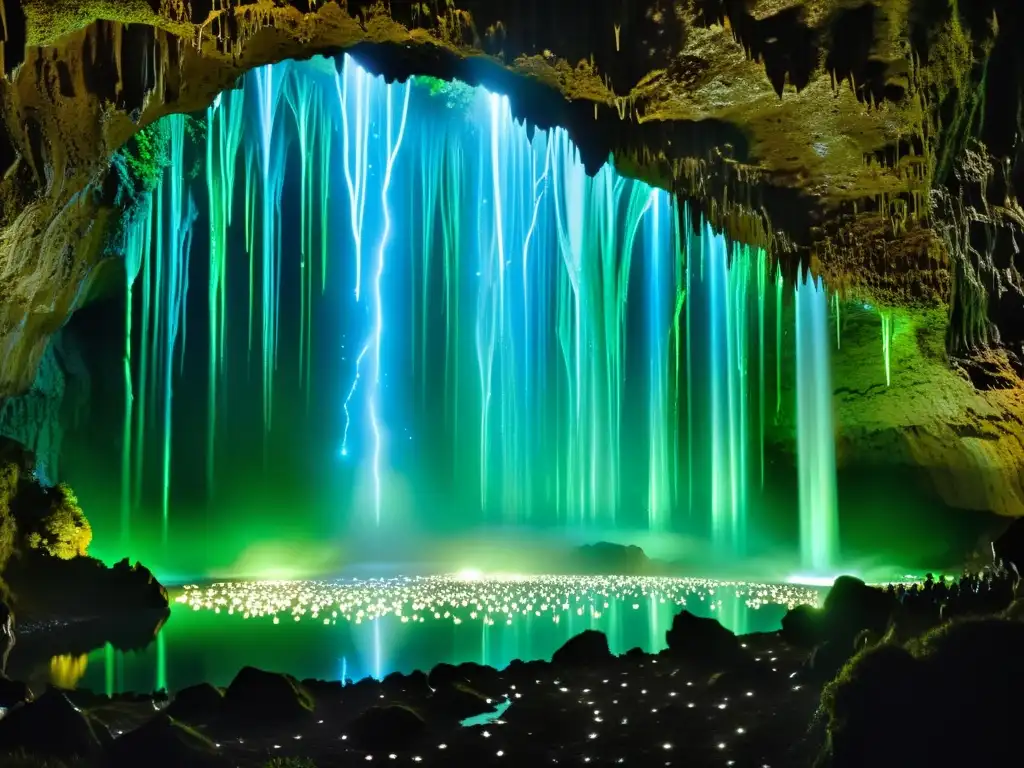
[[349, 630]]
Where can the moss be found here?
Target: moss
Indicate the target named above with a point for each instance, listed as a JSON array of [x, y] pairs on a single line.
[[455, 93], [63, 532], [291, 762], [147, 153], [35, 517], [881, 706], [47, 21]]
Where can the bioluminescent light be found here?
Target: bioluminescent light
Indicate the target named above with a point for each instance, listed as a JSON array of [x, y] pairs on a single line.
[[394, 144], [355, 128], [478, 598], [223, 140], [816, 460], [136, 237], [496, 328], [268, 83]]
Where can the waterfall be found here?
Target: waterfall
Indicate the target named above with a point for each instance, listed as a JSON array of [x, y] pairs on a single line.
[[816, 457]]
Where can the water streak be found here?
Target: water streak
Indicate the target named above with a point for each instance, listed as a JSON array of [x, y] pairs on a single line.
[[819, 529]]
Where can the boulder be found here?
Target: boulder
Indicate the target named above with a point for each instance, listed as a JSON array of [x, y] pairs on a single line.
[[486, 680], [197, 704], [52, 726], [163, 742], [803, 626], [459, 702], [975, 663], [702, 641], [391, 726], [443, 674], [851, 605], [256, 697], [605, 557], [401, 686], [138, 585], [587, 649]]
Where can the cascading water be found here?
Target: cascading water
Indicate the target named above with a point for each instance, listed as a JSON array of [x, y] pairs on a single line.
[[819, 529], [470, 314]]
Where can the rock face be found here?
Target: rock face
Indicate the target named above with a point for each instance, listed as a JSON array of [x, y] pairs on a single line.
[[876, 143], [588, 647], [702, 640]]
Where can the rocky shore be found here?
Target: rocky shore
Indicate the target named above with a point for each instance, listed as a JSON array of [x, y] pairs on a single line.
[[710, 698]]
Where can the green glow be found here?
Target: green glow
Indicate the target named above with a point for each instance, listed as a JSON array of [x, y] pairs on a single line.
[[816, 462], [109, 670], [780, 285], [761, 270], [328, 630], [223, 139], [161, 662], [888, 331], [137, 233], [532, 337]]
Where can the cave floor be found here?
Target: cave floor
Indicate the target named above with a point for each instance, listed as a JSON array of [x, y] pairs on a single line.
[[639, 709]]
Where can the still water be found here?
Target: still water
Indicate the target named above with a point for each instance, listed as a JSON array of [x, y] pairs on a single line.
[[353, 629]]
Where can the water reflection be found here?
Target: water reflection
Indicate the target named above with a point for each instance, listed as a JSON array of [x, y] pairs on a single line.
[[67, 669], [350, 630]]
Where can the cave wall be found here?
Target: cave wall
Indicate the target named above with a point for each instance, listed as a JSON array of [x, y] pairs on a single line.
[[875, 142]]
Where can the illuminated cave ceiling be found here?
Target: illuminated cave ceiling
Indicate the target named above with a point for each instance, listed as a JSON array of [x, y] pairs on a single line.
[[875, 141]]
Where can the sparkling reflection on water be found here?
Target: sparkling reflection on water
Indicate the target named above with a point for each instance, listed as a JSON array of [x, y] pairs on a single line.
[[353, 629]]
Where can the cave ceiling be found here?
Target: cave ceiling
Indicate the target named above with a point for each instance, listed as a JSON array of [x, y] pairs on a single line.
[[876, 143]]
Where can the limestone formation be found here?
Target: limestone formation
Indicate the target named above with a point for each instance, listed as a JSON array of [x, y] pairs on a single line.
[[876, 143]]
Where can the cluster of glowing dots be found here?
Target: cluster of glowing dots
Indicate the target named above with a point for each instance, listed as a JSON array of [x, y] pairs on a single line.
[[487, 599]]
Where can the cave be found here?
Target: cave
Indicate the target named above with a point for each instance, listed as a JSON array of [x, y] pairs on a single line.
[[395, 335]]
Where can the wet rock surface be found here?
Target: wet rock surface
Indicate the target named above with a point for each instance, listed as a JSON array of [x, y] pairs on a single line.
[[751, 700], [650, 709]]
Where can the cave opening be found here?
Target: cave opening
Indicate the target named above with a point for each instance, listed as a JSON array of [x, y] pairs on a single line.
[[367, 326]]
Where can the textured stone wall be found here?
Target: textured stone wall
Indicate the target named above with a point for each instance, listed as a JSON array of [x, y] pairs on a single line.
[[877, 143]]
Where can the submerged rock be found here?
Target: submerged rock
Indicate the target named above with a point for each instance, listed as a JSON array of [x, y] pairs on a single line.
[[266, 698], [590, 647]]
